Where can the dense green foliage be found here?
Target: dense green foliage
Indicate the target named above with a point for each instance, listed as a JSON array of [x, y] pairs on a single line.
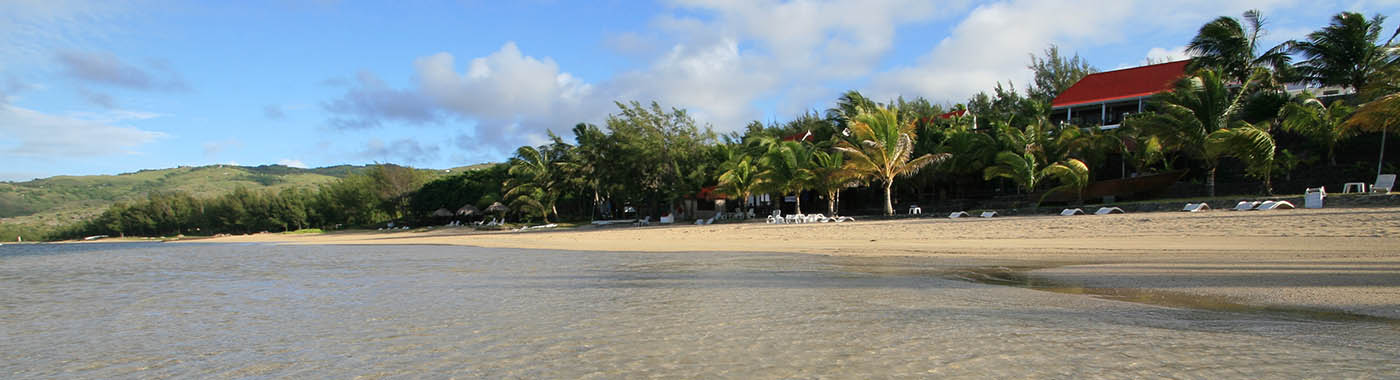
[[1228, 114]]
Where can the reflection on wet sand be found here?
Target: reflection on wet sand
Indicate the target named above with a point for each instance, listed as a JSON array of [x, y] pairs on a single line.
[[221, 310]]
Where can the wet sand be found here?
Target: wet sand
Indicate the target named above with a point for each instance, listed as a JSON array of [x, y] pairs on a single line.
[[1333, 259]]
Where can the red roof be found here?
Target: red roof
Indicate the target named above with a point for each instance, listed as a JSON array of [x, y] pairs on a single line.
[[804, 136], [1120, 84], [953, 114]]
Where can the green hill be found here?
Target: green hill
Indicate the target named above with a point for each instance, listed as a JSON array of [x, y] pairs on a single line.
[[66, 199]]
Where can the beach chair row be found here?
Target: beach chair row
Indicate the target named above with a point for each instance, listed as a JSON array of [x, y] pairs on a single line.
[[779, 218]]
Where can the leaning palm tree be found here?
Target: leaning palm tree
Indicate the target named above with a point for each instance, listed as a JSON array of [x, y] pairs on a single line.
[[1195, 107], [1380, 115], [786, 170], [1345, 52], [740, 180], [830, 175], [1231, 48], [1251, 145], [534, 184], [882, 149], [1307, 116]]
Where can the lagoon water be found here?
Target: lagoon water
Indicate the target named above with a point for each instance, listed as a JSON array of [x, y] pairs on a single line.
[[224, 310]]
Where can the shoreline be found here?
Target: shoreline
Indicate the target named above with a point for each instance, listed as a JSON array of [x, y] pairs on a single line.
[[1343, 260]]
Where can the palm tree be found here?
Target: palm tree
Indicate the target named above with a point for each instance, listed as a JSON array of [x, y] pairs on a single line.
[[1195, 107], [1230, 47], [1380, 115], [740, 180], [1023, 169], [882, 149], [534, 184], [1345, 52], [787, 169], [1252, 145], [1307, 116], [830, 175], [1073, 175]]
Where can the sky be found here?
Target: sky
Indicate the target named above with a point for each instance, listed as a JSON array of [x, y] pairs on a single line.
[[106, 87]]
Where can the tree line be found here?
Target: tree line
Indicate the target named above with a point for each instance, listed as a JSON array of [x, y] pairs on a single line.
[[1230, 112]]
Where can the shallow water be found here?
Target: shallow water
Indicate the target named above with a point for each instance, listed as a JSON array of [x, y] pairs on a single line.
[[194, 310]]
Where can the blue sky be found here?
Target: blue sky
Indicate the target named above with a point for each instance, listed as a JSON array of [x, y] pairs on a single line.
[[104, 87]]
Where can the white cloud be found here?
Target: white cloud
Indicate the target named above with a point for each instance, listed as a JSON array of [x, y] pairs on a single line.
[[1159, 55], [993, 42], [402, 150], [31, 133], [31, 29], [292, 163]]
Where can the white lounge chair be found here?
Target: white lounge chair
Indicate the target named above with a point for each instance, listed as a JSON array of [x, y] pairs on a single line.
[[989, 214], [1384, 183], [1072, 211], [1272, 205], [915, 210], [839, 219], [1108, 210], [1196, 207], [1313, 197], [1246, 205], [959, 214]]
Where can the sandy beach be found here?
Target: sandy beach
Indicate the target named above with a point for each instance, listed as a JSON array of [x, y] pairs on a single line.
[[1344, 260]]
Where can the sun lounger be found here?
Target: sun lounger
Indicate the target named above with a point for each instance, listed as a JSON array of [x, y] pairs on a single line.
[[1072, 211], [1384, 183], [1245, 206], [989, 214], [1108, 210], [840, 219], [1313, 197], [959, 214], [1272, 205], [1196, 207]]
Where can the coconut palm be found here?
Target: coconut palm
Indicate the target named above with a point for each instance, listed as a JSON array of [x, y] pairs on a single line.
[[534, 184], [1307, 116], [1231, 48], [1380, 115], [786, 169], [1073, 176], [830, 175], [1023, 169], [1195, 107], [1344, 52], [883, 148], [740, 180], [1252, 145]]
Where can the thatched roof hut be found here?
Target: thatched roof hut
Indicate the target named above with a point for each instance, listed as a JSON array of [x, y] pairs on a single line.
[[442, 213], [498, 208], [468, 210]]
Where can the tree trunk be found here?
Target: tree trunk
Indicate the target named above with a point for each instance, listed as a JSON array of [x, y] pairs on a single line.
[[797, 205], [1210, 182], [831, 204], [889, 205]]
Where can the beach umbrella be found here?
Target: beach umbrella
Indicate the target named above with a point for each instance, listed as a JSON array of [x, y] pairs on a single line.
[[468, 210], [442, 213]]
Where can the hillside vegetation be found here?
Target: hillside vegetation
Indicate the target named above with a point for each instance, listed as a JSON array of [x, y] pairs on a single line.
[[63, 200]]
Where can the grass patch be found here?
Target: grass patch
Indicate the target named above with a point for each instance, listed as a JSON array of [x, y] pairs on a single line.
[[305, 231]]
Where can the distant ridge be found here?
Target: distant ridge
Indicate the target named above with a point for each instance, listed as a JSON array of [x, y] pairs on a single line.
[[66, 199]]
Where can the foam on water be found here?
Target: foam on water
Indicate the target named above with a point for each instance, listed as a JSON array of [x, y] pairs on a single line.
[[149, 311]]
